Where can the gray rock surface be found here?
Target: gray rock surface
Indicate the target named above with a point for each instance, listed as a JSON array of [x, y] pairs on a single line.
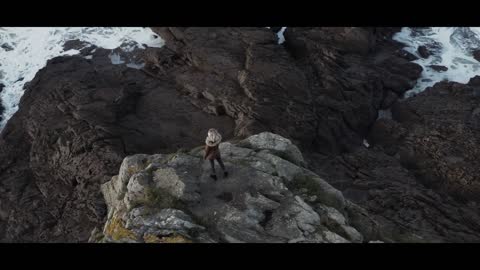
[[266, 198]]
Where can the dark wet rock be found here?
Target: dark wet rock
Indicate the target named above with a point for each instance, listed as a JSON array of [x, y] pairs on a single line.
[[424, 161], [406, 55], [7, 47], [438, 68], [423, 51], [418, 178], [2, 108], [83, 47], [442, 136], [75, 45], [476, 55], [402, 207], [389, 99]]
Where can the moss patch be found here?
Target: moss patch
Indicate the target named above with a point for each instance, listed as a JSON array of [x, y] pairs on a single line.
[[157, 198], [131, 170], [150, 238], [305, 182], [154, 239], [117, 231], [175, 239], [311, 185]]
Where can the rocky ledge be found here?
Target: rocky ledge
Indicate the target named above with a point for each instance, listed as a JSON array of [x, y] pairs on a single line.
[[269, 196]]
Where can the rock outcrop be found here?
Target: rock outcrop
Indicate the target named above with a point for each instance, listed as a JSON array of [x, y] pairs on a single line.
[[421, 174], [267, 197], [438, 68], [476, 55], [423, 51]]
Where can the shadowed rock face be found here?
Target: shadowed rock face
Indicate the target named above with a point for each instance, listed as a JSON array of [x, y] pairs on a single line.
[[421, 175], [2, 108], [405, 209], [266, 198], [476, 55], [441, 137], [324, 85], [77, 120]]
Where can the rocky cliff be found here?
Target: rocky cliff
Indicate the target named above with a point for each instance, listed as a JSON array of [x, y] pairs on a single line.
[[325, 89], [269, 196]]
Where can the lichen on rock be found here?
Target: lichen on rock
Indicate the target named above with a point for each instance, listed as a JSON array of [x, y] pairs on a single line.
[[115, 229]]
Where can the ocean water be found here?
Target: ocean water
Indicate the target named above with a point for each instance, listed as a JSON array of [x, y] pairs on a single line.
[[280, 36], [449, 46], [25, 50]]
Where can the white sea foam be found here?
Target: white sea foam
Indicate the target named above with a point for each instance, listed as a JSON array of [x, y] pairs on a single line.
[[450, 46], [280, 36], [25, 50]]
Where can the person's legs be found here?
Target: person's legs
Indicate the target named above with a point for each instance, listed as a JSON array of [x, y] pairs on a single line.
[[219, 160], [213, 174]]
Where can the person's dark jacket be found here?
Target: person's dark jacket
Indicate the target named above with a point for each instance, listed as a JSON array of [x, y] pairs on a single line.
[[211, 152]]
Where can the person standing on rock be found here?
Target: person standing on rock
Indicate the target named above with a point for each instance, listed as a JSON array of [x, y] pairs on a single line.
[[212, 152]]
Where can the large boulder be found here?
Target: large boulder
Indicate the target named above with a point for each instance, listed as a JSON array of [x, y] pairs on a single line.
[[276, 143], [438, 68], [266, 198]]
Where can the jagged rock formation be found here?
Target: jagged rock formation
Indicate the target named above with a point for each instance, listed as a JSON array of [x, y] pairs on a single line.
[[325, 84], [421, 174], [268, 197], [76, 122]]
